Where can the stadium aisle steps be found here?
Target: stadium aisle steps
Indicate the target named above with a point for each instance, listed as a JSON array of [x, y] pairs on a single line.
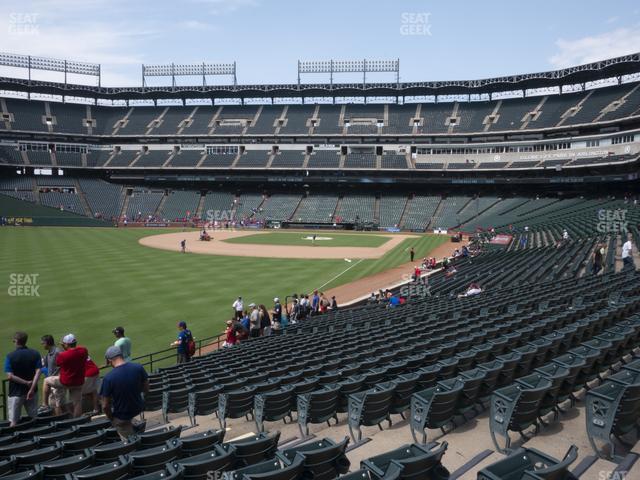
[[599, 470], [569, 429], [337, 208], [200, 207], [634, 471], [160, 208], [404, 211], [436, 214], [472, 473], [125, 204], [83, 199], [617, 255], [622, 101]]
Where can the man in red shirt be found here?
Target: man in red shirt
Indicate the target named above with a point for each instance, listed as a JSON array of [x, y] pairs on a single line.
[[72, 362]]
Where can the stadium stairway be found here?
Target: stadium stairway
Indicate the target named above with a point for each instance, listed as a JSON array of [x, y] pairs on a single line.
[[305, 163], [376, 210], [574, 109], [613, 107], [83, 199], [125, 203], [160, 208], [337, 208], [236, 160], [436, 214], [281, 120], [404, 212], [212, 122]]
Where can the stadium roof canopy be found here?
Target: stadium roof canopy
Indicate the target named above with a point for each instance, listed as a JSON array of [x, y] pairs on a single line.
[[600, 70]]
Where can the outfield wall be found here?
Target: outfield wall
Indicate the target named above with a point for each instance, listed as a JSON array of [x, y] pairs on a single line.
[[20, 213]]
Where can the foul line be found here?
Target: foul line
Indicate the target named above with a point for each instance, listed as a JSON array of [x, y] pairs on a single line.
[[340, 274]]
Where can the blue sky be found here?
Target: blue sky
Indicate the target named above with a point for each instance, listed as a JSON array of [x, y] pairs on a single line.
[[450, 40]]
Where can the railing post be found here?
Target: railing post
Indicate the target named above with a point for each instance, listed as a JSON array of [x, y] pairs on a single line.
[[4, 398]]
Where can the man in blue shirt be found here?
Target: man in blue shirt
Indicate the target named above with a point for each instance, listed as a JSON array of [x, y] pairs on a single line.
[[315, 302], [22, 367], [122, 392], [394, 301], [182, 343]]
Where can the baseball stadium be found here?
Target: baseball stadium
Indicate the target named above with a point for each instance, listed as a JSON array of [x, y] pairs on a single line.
[[346, 276]]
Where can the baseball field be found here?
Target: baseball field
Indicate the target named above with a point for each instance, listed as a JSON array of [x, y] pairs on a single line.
[[90, 280]]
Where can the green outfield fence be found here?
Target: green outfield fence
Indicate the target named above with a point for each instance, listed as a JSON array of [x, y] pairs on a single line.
[[151, 361]]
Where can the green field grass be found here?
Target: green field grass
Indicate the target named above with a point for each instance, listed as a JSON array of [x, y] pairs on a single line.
[[91, 280], [299, 238]]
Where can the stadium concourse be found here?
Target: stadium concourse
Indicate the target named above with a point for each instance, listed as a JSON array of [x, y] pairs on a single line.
[[516, 358]]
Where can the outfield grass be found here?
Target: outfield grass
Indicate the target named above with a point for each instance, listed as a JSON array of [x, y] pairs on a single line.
[[91, 280], [300, 239]]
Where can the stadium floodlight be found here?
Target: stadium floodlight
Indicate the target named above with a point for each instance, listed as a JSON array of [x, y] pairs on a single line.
[[51, 65], [174, 70], [349, 66]]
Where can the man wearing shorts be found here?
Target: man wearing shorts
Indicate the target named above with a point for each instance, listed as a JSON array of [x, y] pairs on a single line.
[[22, 367], [72, 362], [122, 392], [90, 385]]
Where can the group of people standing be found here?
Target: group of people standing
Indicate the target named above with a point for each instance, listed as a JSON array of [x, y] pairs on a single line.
[[257, 320], [70, 375]]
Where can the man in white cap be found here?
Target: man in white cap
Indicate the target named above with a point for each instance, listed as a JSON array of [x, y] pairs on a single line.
[[72, 362], [122, 391]]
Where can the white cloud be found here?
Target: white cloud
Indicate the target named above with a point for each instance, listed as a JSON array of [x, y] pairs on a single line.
[[113, 42], [219, 7], [621, 41], [194, 25], [94, 43], [118, 34]]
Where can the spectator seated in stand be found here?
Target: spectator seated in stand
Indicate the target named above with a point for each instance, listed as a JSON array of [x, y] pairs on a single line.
[[474, 289]]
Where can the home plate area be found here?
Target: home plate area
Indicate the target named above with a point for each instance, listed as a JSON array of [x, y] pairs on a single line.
[[317, 239]]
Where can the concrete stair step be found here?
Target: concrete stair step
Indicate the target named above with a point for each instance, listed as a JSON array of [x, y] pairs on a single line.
[[601, 469], [472, 473]]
